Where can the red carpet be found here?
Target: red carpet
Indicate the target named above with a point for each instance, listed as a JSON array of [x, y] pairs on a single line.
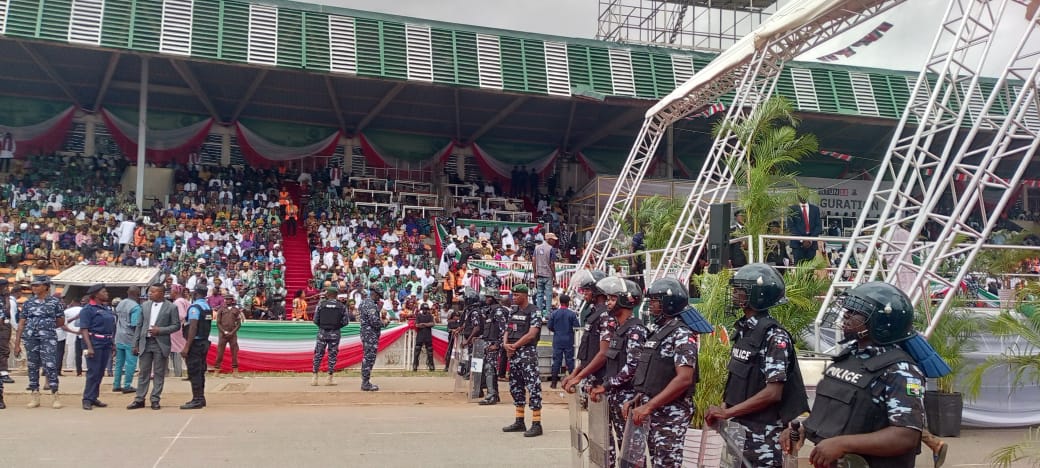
[[297, 252]]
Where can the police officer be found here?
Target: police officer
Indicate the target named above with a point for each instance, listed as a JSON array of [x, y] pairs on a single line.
[[97, 323], [595, 340], [330, 316], [196, 333], [39, 316], [521, 340], [8, 309], [371, 325], [472, 323], [622, 354], [764, 389], [666, 376], [872, 394], [423, 337], [493, 329]]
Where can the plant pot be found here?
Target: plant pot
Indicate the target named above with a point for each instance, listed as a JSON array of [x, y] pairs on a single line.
[[703, 448], [943, 411]]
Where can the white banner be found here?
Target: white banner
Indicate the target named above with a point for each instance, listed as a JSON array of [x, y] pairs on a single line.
[[841, 197]]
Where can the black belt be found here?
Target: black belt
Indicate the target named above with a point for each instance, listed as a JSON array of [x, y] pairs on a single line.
[[102, 337]]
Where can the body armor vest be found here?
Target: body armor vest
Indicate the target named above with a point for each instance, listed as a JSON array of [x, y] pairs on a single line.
[[205, 322], [490, 333], [520, 322], [655, 372], [330, 315], [617, 354], [844, 402], [746, 377], [467, 320], [589, 345]]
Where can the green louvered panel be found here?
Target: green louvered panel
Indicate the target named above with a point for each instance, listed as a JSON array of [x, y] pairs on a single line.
[[395, 51], [234, 32], [23, 18], [466, 58], [115, 28], [443, 44], [512, 50], [599, 65], [205, 30], [578, 58], [664, 77], [891, 94], [785, 86], [534, 64], [54, 23], [369, 55], [291, 46], [643, 73], [316, 37], [825, 94], [146, 24]]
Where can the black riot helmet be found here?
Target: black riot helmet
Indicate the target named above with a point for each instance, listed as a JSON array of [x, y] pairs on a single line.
[[470, 297], [672, 294], [628, 293], [890, 316], [762, 284], [490, 293], [587, 279]]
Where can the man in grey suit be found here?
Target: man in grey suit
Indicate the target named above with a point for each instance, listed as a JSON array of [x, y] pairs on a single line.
[[159, 318]]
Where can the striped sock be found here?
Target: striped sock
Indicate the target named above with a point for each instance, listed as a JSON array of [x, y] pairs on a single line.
[[536, 415], [519, 412]]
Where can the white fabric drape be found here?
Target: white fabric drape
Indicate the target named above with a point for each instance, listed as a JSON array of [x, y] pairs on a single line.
[[158, 139], [275, 152]]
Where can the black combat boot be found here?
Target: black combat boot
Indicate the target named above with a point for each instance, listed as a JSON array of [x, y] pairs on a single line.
[[517, 426], [2, 405], [535, 430], [553, 381]]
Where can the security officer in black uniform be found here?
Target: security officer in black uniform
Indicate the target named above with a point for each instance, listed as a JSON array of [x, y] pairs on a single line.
[[592, 312], [196, 333], [494, 327], [764, 390], [622, 355], [471, 323], [5, 336], [97, 323], [870, 401], [330, 316]]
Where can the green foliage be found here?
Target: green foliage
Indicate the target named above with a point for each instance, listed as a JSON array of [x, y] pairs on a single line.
[[715, 296], [804, 287], [999, 262], [774, 147], [656, 217], [1027, 451], [1022, 359], [712, 359], [953, 338]]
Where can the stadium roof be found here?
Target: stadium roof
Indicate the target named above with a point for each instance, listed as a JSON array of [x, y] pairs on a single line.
[[330, 67]]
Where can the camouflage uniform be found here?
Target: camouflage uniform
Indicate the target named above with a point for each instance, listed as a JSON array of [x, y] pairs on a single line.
[[619, 387], [524, 378], [41, 341], [371, 324], [668, 423], [328, 339], [762, 442]]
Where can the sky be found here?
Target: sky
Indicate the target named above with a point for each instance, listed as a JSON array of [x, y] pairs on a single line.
[[904, 47]]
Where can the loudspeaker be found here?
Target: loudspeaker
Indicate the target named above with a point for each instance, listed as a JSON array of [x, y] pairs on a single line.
[[718, 237]]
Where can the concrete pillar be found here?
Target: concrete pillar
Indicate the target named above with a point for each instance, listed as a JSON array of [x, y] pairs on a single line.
[[90, 132], [225, 145], [142, 132]]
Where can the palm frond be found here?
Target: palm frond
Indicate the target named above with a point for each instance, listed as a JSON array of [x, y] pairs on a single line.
[[1028, 451], [1021, 359]]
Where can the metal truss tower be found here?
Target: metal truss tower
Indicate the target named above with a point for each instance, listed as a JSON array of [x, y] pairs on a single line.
[[940, 139], [710, 25], [751, 66]]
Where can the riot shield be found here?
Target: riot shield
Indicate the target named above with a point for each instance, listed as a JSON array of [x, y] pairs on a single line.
[[459, 356], [476, 369], [633, 445], [599, 433], [734, 435], [579, 441]]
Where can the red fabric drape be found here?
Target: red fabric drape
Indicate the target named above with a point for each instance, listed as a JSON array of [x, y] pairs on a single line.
[[178, 153], [256, 159], [49, 141]]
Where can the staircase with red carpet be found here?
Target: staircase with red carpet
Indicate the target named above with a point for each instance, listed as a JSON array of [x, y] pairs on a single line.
[[297, 252]]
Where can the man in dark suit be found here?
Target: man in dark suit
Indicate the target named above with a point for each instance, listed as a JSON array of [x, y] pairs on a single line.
[[804, 221], [159, 318]]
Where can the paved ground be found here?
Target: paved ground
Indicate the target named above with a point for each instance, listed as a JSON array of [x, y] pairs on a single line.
[[283, 422]]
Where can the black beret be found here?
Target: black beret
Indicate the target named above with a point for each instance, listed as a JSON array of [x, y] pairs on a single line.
[[95, 289], [41, 279]]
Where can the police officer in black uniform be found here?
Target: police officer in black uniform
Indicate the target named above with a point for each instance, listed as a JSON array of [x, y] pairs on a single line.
[[593, 311], [196, 333], [494, 327], [764, 389], [622, 354], [471, 323], [872, 394], [330, 316]]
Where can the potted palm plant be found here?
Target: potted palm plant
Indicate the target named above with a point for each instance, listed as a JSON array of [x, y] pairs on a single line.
[[704, 446], [953, 338]]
